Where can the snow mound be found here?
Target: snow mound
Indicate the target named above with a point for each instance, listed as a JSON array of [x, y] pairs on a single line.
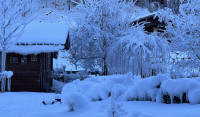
[[97, 88], [146, 89], [75, 101], [178, 87], [194, 96], [160, 88]]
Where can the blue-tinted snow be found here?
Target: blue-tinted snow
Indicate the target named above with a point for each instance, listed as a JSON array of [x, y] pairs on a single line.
[[44, 32]]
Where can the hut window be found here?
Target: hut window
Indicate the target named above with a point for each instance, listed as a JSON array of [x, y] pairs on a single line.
[[33, 57], [13, 59], [24, 60]]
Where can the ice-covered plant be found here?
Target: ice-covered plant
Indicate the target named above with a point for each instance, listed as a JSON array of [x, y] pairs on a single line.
[[97, 25], [183, 33], [140, 53]]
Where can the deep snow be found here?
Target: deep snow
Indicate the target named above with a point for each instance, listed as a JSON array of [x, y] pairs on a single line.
[[27, 104], [130, 88]]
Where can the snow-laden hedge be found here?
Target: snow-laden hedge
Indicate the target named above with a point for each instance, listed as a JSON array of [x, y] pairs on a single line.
[[182, 90], [158, 88], [146, 89]]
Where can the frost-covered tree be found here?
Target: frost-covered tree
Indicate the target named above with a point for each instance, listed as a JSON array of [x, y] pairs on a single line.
[[140, 53], [14, 15], [98, 24], [183, 32]]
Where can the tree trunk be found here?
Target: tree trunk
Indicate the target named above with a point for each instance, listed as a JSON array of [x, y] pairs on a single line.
[[3, 60], [3, 67], [69, 4], [105, 67]]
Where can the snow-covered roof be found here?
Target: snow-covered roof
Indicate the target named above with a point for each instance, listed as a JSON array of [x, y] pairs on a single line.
[[44, 32], [144, 15], [40, 37], [34, 49]]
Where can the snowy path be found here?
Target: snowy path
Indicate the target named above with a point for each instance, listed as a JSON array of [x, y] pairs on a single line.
[[30, 105]]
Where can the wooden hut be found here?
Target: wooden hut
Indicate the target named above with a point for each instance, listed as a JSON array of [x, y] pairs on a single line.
[[151, 23], [31, 56]]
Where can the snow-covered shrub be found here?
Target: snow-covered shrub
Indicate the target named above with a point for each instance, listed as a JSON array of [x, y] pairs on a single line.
[[117, 111], [83, 74], [99, 88], [175, 89], [70, 77], [75, 101], [158, 88], [57, 86], [194, 96], [145, 89], [61, 75], [118, 90]]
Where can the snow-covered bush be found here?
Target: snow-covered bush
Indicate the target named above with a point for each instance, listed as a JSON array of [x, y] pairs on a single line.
[[98, 88], [118, 88], [61, 75], [75, 101], [57, 86], [146, 89], [194, 96], [58, 73], [177, 88], [82, 74]]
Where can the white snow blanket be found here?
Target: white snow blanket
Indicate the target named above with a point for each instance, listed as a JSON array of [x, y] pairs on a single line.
[[29, 104], [129, 88]]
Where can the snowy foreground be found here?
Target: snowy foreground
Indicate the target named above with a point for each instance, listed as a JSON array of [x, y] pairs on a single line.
[[27, 104], [103, 96]]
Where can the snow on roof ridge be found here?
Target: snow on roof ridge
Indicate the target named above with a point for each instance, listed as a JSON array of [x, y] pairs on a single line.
[[40, 37]]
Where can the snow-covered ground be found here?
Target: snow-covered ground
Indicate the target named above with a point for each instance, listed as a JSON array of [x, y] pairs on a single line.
[[102, 96], [27, 104]]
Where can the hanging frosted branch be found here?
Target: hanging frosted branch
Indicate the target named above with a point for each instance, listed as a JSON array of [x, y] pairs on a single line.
[[139, 53]]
